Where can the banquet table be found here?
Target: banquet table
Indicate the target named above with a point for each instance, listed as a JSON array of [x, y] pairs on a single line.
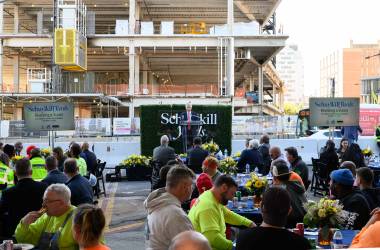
[[348, 235], [246, 208]]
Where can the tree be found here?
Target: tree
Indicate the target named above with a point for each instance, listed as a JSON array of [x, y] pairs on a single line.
[[291, 108]]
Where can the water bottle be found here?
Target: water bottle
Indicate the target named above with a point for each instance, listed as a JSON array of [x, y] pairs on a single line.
[[338, 240], [247, 169], [225, 153]]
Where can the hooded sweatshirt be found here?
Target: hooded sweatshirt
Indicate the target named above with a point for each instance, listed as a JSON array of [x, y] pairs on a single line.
[[166, 219], [297, 200]]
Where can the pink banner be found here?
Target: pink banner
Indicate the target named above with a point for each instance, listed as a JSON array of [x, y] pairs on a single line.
[[369, 119]]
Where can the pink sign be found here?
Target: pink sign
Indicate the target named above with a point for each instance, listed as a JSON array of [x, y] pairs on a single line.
[[369, 119]]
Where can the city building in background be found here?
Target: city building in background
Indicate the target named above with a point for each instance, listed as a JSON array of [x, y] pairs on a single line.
[[352, 72], [290, 68], [111, 57]]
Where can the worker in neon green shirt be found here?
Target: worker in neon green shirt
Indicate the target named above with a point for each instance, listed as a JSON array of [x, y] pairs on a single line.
[[6, 173], [209, 214], [38, 165], [75, 151], [50, 228]]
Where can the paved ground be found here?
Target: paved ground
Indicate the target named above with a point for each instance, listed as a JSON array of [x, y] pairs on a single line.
[[126, 215]]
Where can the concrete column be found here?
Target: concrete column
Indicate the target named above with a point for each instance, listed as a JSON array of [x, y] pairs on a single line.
[[137, 73], [230, 88], [230, 16], [1, 65], [261, 89], [132, 17], [16, 73], [145, 79], [251, 83], [1, 18], [15, 20], [132, 78], [40, 22]]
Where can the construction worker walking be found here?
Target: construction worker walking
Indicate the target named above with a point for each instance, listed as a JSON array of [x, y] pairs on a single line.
[[6, 173], [38, 165], [377, 134]]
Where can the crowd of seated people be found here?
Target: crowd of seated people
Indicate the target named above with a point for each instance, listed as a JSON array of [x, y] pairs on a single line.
[[39, 199]]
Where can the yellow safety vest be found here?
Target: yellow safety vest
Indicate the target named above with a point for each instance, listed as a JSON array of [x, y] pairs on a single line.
[[38, 167], [6, 175]]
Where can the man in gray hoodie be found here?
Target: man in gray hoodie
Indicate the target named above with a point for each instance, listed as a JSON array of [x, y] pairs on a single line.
[[166, 218]]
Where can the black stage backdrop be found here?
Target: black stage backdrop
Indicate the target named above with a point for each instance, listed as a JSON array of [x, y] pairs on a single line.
[[158, 120]]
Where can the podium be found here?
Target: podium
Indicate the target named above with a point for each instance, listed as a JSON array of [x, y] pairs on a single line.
[[189, 134]]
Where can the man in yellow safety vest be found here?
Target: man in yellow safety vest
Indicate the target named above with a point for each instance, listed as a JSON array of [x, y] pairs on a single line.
[[38, 165]]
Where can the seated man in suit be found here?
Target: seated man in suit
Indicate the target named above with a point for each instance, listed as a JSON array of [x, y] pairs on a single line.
[[54, 175], [24, 197], [251, 156], [163, 153], [81, 190], [196, 156]]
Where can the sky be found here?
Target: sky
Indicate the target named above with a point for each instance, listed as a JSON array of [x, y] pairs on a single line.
[[320, 27]]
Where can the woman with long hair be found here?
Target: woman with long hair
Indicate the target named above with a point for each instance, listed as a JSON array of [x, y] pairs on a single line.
[[88, 226], [343, 147]]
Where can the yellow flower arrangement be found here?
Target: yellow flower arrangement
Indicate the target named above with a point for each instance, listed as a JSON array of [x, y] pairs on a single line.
[[228, 166], [324, 213], [237, 154], [211, 147], [136, 160], [256, 185], [184, 155], [367, 152]]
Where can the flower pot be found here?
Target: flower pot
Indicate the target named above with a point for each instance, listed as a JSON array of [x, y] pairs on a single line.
[[138, 173], [325, 235]]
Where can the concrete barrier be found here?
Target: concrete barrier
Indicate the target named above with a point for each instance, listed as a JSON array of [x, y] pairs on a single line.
[[113, 152]]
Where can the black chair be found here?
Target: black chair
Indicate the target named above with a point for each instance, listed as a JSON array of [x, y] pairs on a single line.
[[100, 177], [320, 180], [156, 167]]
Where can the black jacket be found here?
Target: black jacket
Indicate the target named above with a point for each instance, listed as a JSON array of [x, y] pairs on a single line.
[[81, 190], [195, 158], [355, 202], [55, 176], [270, 238], [297, 200], [372, 196], [91, 161], [252, 157], [163, 154], [264, 150], [19, 200], [299, 167], [330, 158]]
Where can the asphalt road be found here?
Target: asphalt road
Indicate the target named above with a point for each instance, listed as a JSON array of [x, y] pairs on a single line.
[[125, 214]]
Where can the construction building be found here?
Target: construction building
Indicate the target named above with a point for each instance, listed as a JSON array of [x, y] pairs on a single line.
[[111, 57], [352, 72]]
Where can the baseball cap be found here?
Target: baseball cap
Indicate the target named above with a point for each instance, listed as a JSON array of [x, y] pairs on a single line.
[[342, 176], [280, 169]]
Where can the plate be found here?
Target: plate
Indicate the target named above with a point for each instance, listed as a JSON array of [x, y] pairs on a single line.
[[24, 246]]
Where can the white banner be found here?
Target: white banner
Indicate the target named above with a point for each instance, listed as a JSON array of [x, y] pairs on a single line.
[[93, 127], [121, 126]]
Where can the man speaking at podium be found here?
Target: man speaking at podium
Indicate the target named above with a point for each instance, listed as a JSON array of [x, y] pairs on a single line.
[[189, 130]]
